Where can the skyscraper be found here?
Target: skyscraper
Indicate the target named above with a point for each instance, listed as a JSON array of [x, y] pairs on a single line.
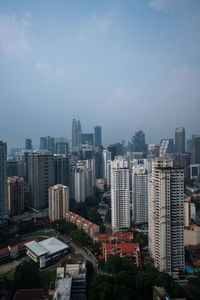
[[180, 140], [138, 141], [140, 194], [28, 144], [166, 146], [74, 134], [196, 149], [15, 195], [3, 183], [58, 202], [116, 150], [41, 169], [166, 216], [120, 194], [61, 169], [78, 126], [97, 136], [47, 143]]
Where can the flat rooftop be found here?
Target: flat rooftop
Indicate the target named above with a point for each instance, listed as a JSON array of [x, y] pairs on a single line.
[[48, 246]]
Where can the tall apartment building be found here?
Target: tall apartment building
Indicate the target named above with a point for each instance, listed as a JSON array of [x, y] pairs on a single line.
[[140, 194], [97, 136], [58, 201], [195, 149], [3, 183], [166, 216], [138, 141], [180, 140], [41, 169], [120, 194], [15, 195], [106, 156], [61, 169]]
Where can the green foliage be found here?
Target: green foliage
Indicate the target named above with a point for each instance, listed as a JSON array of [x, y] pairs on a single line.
[[142, 239], [193, 288], [26, 276], [124, 280]]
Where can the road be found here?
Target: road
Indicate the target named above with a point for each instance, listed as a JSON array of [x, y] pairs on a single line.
[[80, 250]]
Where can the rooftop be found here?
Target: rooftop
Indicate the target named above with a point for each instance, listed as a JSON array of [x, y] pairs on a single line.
[[50, 246]]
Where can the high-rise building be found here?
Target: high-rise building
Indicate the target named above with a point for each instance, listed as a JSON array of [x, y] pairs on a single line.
[[78, 127], [196, 149], [15, 195], [97, 136], [60, 145], [28, 144], [115, 150], [140, 194], [106, 156], [120, 194], [189, 145], [58, 202], [138, 141], [3, 183], [166, 216], [86, 139], [47, 143], [180, 140], [41, 167], [61, 169], [99, 162], [79, 183], [166, 146], [74, 134]]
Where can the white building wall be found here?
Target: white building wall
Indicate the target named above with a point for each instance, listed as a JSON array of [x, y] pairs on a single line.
[[120, 194], [58, 202], [166, 216]]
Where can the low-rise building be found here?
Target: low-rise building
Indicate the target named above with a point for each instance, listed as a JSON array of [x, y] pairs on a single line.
[[46, 252], [82, 223], [113, 237], [123, 250]]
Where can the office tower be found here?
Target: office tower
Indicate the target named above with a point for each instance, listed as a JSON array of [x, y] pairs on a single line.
[[99, 162], [120, 194], [41, 168], [12, 167], [138, 141], [61, 169], [166, 146], [58, 202], [140, 194], [180, 140], [189, 145], [195, 149], [60, 145], [86, 139], [28, 144], [74, 134], [115, 150], [47, 143], [106, 156], [97, 136], [78, 126], [3, 183], [166, 215], [15, 195]]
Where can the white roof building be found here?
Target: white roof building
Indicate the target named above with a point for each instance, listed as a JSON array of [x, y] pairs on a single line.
[[45, 251]]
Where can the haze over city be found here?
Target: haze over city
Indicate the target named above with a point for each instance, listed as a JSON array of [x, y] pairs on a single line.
[[124, 65]]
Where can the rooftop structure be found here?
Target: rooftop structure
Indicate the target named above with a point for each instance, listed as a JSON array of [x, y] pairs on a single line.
[[113, 237], [46, 252]]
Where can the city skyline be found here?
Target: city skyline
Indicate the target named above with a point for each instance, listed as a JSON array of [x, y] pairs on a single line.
[[123, 66]]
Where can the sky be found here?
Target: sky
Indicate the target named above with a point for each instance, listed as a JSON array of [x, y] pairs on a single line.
[[124, 65]]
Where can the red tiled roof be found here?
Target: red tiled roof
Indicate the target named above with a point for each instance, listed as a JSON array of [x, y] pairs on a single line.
[[92, 225], [4, 251], [124, 247], [21, 244], [103, 236], [29, 294]]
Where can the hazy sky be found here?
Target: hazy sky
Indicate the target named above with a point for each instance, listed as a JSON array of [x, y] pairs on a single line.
[[124, 65]]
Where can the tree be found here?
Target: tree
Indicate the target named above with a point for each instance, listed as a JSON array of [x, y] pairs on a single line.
[[26, 276]]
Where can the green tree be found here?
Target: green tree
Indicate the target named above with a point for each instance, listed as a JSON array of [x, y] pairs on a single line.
[[26, 276]]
